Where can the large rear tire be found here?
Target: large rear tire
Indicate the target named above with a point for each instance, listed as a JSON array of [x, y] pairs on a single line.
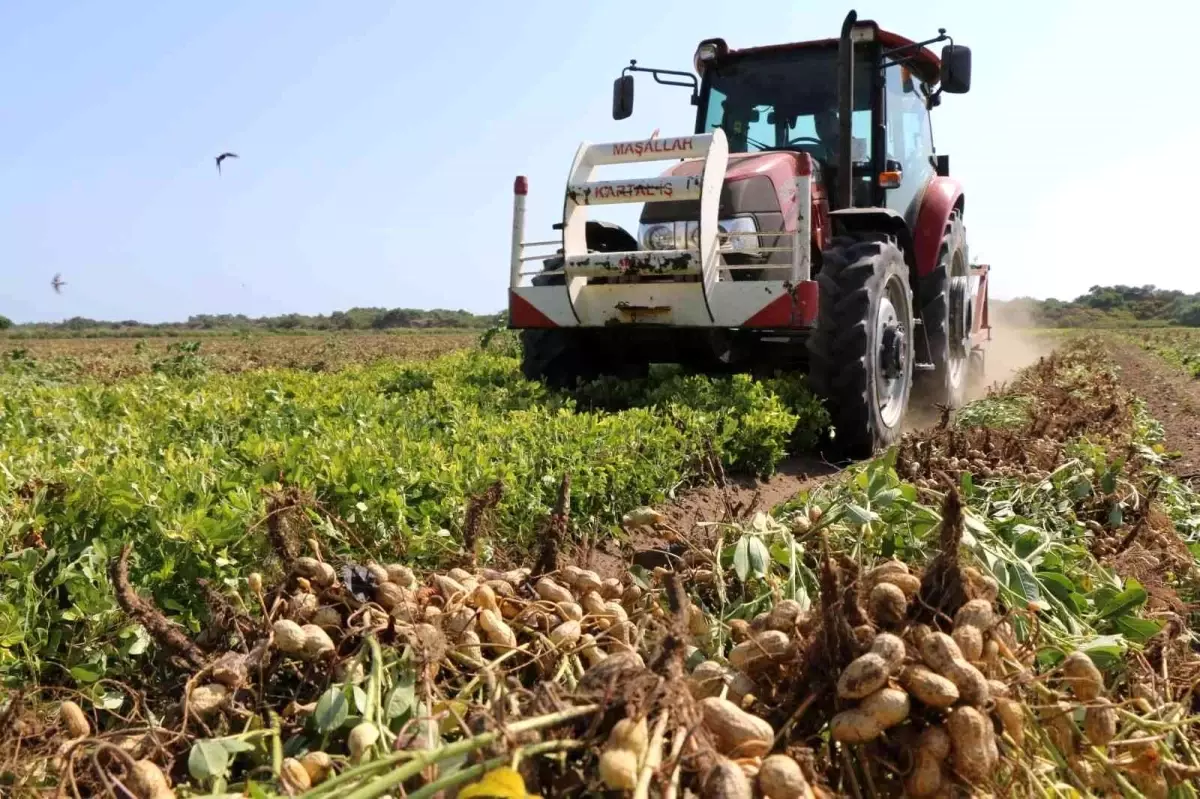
[[861, 352], [945, 317]]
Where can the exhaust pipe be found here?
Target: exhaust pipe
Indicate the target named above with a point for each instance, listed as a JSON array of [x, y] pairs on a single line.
[[845, 109]]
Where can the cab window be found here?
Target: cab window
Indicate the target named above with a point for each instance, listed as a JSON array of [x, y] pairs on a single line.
[[909, 138]]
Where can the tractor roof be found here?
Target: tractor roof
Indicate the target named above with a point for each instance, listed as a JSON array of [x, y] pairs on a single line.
[[922, 60]]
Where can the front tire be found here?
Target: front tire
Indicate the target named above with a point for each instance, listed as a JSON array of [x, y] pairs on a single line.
[[861, 352]]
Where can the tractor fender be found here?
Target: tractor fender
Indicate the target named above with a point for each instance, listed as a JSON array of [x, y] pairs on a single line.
[[942, 196], [880, 220]]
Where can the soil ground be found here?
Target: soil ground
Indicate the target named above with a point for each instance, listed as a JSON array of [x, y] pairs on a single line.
[[1171, 397]]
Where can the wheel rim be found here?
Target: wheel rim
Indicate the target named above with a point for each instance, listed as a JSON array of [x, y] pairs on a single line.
[[957, 330], [892, 363]]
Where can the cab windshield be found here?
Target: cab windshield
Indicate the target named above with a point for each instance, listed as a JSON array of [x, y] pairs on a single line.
[[786, 100]]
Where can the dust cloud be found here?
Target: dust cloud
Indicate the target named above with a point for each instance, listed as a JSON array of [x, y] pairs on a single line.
[[1016, 343]]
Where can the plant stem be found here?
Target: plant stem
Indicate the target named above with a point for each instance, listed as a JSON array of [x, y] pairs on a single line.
[[376, 681], [479, 769], [416, 761], [653, 757]]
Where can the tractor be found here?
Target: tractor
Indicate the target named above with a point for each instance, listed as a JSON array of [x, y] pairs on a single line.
[[808, 224]]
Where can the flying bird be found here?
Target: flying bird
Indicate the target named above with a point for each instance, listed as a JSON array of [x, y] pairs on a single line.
[[222, 157], [58, 282]]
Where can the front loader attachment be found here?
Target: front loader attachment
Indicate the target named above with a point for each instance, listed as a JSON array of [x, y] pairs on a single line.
[[691, 287]]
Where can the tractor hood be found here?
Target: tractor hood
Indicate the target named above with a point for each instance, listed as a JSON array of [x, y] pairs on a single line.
[[755, 183], [745, 165]]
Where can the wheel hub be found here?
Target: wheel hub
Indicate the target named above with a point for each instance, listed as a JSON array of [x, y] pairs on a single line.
[[959, 296], [891, 367], [892, 351]]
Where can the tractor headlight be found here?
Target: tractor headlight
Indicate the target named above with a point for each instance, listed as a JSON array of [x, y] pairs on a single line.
[[744, 225], [732, 242], [658, 237], [686, 235]]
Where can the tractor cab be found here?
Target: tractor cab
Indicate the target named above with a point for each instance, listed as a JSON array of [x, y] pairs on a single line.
[[807, 98]]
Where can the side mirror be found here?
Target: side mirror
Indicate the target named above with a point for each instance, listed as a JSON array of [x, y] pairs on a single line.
[[956, 69], [622, 97]]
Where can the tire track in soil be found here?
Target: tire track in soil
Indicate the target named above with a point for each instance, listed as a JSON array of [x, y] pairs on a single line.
[[1011, 349], [1171, 397], [742, 494]]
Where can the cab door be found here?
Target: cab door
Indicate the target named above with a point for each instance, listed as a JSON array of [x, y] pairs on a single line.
[[909, 142]]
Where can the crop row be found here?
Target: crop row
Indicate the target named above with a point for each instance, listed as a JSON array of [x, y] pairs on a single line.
[[385, 457], [1178, 347]]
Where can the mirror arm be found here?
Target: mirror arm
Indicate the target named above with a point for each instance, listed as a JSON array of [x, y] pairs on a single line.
[[691, 83], [941, 37]]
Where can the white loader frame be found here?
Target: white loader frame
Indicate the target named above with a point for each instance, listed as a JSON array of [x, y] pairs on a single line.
[[702, 293]]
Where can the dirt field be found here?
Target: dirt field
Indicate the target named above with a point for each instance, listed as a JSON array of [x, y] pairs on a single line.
[[116, 358], [1172, 397]]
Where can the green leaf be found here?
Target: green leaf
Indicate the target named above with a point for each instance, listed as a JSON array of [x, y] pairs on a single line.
[[741, 558], [885, 499], [141, 640], [235, 745], [1079, 602], [1116, 517], [1135, 629], [1022, 581], [1057, 584], [500, 783], [208, 760], [360, 699], [760, 557], [1105, 650], [402, 697], [640, 576], [1132, 597], [1103, 595], [332, 710], [107, 700], [1028, 541], [85, 673], [877, 481], [860, 515]]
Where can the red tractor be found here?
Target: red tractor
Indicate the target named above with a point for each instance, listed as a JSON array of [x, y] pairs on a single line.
[[808, 224]]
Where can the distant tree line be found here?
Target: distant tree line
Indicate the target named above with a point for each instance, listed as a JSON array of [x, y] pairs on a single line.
[[1102, 306], [353, 319], [1106, 306]]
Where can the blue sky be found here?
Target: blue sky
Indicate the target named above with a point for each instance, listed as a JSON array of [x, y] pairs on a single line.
[[378, 141]]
